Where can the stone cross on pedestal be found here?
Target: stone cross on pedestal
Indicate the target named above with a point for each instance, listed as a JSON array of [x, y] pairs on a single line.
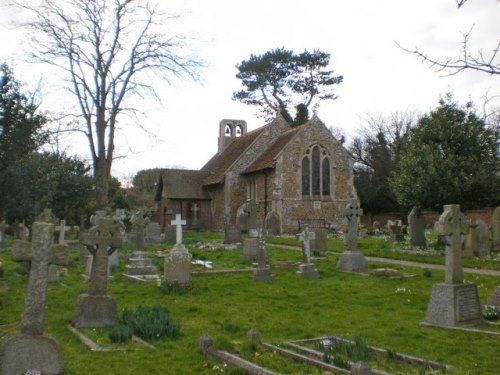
[[263, 272], [306, 268], [453, 226], [101, 241], [352, 259], [453, 303], [305, 237], [31, 351], [139, 221], [352, 212], [178, 222]]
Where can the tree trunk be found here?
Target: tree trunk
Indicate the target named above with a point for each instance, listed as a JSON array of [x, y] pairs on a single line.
[[101, 176]]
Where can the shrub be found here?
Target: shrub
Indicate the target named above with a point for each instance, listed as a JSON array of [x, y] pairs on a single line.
[[151, 322], [427, 272], [490, 313]]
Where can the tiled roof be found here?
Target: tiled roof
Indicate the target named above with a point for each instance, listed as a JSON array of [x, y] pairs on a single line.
[[268, 158], [183, 184], [216, 168]]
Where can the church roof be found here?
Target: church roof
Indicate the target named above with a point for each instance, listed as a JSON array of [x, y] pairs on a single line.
[[216, 168], [182, 184], [268, 158]]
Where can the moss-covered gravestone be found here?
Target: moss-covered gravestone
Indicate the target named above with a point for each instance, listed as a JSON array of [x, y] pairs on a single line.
[[453, 303], [96, 308], [31, 350]]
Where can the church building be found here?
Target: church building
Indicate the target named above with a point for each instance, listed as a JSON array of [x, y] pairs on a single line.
[[294, 175]]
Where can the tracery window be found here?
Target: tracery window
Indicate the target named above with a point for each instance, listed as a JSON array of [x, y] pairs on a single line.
[[316, 173]]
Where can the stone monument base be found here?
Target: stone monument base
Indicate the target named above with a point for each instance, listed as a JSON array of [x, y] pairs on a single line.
[[250, 249], [20, 353], [307, 270], [454, 305], [177, 265], [351, 260], [262, 274], [94, 311]]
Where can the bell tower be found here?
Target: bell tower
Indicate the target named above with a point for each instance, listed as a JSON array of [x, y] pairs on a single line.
[[229, 130]]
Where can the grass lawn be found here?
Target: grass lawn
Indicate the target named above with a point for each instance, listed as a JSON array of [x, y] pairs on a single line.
[[385, 312]]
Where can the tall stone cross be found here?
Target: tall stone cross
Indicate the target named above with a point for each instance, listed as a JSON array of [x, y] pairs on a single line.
[[352, 213], [306, 236], [101, 241], [40, 253], [178, 228], [453, 226], [62, 228], [139, 221]]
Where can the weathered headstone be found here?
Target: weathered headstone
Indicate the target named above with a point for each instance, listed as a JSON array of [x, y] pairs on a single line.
[[320, 241], [272, 224], [352, 259], [169, 234], [483, 242], [177, 265], [495, 229], [416, 226], [395, 231], [453, 303], [494, 299], [232, 234], [263, 271], [470, 245], [152, 233], [251, 244], [96, 308], [3, 226], [140, 264], [306, 268], [195, 224], [31, 350]]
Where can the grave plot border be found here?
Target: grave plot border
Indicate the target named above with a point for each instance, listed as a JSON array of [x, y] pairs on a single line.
[[464, 329]]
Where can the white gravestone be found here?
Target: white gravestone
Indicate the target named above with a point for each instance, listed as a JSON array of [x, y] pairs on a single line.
[[177, 266]]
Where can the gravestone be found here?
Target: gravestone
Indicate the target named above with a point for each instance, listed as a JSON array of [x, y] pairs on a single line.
[[251, 209], [3, 226], [495, 229], [53, 275], [272, 224], [232, 234], [306, 268], [320, 241], [416, 227], [483, 243], [140, 264], [352, 259], [177, 265], [263, 271], [31, 351], [395, 231], [152, 233], [251, 244], [494, 299], [169, 234], [453, 303], [95, 308], [195, 224], [470, 245]]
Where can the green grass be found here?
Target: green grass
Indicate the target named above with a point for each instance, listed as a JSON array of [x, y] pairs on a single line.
[[386, 312]]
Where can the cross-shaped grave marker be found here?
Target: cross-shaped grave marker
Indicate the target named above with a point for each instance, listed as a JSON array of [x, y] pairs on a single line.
[[101, 241], [40, 253], [178, 222], [352, 213], [305, 237], [62, 228]]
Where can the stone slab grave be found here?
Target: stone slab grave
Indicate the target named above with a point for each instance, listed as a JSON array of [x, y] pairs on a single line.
[[352, 258], [232, 234], [31, 351], [95, 308], [177, 263], [140, 265], [306, 268], [251, 244], [416, 228], [263, 271], [453, 303]]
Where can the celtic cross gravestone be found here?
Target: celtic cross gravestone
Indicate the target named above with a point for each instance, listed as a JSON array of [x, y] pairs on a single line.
[[352, 259]]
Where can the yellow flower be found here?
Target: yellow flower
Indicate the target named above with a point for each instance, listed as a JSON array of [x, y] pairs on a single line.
[[256, 354], [166, 251]]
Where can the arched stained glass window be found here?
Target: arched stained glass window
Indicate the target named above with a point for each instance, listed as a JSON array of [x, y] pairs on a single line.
[[305, 176], [325, 176]]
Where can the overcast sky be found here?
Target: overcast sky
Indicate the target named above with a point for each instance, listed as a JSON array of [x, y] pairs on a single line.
[[360, 35]]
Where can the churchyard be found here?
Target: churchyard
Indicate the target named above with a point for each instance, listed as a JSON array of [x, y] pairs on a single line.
[[296, 311]]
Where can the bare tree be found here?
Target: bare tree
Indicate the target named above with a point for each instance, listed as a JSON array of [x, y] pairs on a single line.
[[486, 62], [107, 50]]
